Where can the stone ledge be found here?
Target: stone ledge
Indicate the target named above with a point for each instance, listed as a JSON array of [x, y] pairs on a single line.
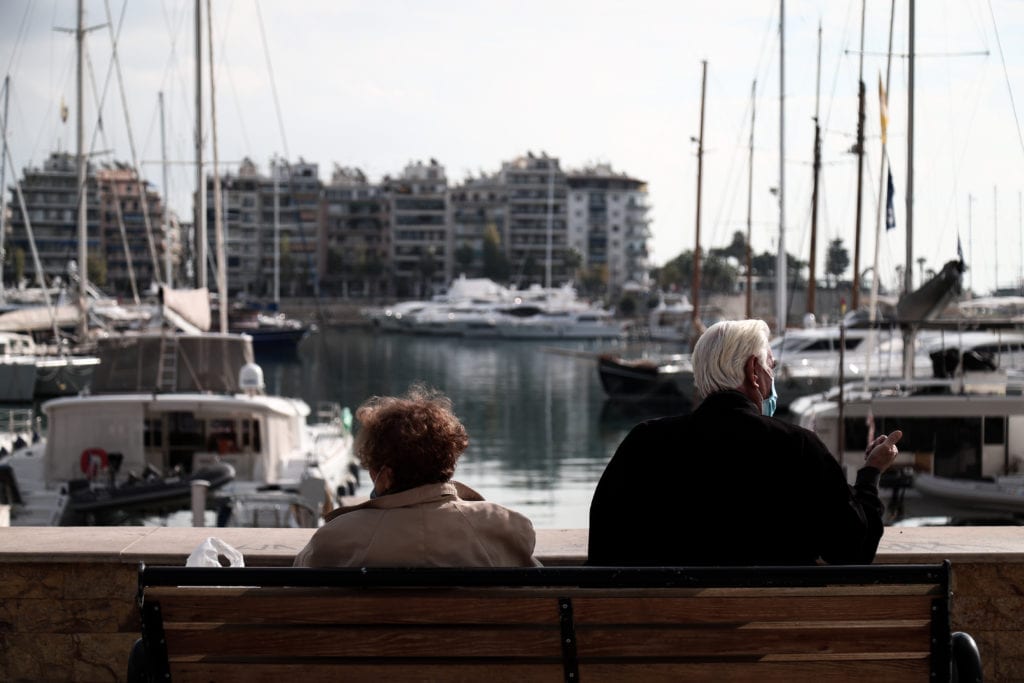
[[275, 547]]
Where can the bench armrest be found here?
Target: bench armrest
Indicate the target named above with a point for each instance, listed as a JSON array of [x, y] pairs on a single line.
[[966, 659]]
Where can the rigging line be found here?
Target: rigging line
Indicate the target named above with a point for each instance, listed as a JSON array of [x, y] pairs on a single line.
[[231, 79], [42, 123], [768, 33], [1009, 88], [17, 41], [273, 83], [718, 223], [835, 76], [40, 275], [117, 200], [140, 186]]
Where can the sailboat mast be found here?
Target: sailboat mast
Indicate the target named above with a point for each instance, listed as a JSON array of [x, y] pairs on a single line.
[[696, 326], [908, 271], [813, 264], [275, 169], [995, 235], [218, 220], [750, 200], [3, 181], [861, 96], [780, 266], [551, 218], [167, 214], [83, 233], [199, 207]]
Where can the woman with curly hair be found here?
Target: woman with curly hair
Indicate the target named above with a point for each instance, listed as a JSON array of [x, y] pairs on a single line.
[[417, 515]]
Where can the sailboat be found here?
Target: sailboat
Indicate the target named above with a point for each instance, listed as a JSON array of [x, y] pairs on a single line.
[[963, 427], [172, 407]]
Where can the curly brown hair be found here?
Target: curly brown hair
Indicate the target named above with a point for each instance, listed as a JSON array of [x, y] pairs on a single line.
[[416, 435]]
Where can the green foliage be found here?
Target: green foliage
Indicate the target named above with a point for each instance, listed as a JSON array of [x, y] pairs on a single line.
[[97, 269], [593, 281], [717, 274], [629, 305], [573, 260], [19, 264], [737, 249], [464, 256], [496, 265], [837, 260]]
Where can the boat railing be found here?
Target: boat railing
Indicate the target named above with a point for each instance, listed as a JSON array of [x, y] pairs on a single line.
[[17, 421]]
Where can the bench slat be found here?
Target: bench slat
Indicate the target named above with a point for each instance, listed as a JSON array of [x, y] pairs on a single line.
[[355, 606], [725, 642], [614, 610], [509, 672], [764, 672], [493, 672], [355, 641]]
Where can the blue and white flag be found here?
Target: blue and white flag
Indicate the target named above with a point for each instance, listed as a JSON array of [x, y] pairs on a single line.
[[890, 214]]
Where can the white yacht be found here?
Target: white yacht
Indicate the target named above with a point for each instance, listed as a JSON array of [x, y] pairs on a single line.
[[168, 409], [963, 438]]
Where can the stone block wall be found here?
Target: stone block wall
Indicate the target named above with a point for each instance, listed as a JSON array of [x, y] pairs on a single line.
[[67, 622], [988, 603]]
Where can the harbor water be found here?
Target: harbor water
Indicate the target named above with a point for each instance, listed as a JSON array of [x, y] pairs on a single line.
[[540, 428]]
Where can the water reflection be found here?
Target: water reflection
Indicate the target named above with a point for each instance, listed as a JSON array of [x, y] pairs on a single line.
[[540, 434]]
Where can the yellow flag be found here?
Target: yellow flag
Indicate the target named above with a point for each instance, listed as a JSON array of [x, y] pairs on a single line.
[[63, 110], [883, 107]]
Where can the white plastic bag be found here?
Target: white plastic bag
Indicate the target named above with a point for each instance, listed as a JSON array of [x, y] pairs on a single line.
[[209, 552]]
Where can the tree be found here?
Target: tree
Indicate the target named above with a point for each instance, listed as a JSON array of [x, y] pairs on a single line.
[[19, 264], [717, 274], [496, 266], [465, 255], [836, 261], [427, 267], [593, 280], [737, 249], [287, 264], [97, 269], [573, 260]]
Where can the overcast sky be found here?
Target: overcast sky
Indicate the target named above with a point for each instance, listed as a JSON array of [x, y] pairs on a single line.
[[472, 83]]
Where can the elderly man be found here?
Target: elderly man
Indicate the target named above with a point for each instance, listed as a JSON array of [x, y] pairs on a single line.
[[731, 485]]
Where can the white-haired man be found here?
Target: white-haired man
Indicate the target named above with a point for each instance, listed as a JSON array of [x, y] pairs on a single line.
[[731, 485]]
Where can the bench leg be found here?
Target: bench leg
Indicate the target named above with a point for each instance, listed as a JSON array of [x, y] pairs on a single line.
[[137, 669], [966, 659]]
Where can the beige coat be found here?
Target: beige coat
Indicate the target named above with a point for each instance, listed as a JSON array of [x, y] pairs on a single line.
[[437, 525]]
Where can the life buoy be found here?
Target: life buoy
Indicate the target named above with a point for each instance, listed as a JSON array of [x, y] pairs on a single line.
[[92, 461]]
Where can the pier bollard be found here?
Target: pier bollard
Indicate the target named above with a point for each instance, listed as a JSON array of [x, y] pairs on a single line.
[[200, 487]]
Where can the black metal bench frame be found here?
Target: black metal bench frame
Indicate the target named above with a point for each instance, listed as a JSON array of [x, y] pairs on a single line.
[[954, 656]]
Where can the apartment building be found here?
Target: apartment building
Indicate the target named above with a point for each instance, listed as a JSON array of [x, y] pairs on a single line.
[[270, 228], [608, 224], [51, 202], [354, 228], [477, 207], [419, 230], [125, 245], [535, 189]]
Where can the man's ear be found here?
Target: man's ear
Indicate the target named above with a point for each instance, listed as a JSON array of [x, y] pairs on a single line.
[[750, 370]]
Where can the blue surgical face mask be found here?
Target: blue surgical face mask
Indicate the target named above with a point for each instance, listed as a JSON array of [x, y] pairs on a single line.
[[768, 404]]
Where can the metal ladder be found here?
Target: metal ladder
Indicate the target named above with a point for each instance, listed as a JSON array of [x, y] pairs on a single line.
[[167, 374]]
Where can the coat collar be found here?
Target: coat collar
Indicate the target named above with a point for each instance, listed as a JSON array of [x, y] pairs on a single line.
[[428, 493], [730, 399]]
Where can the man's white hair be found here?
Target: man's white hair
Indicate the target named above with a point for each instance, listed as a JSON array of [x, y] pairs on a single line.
[[722, 351]]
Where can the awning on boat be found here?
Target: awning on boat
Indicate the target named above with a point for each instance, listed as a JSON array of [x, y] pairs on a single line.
[[77, 425], [193, 305], [34, 318]]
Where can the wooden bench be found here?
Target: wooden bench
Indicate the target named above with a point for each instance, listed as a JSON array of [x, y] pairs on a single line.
[[866, 623]]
